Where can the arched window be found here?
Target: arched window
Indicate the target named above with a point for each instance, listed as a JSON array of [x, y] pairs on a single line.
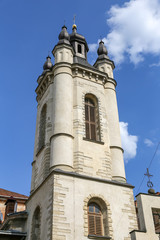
[[92, 118], [42, 127], [36, 225], [95, 221]]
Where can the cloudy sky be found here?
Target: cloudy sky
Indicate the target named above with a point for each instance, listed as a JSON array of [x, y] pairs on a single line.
[[130, 30]]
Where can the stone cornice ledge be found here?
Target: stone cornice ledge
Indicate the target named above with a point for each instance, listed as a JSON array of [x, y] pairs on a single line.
[[117, 147], [98, 237], [73, 174], [137, 231], [59, 171]]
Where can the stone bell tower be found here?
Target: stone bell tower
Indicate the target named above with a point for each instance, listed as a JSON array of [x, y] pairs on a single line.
[[78, 188]]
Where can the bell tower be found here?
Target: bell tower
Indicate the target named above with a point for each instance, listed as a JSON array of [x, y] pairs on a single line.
[[78, 187]]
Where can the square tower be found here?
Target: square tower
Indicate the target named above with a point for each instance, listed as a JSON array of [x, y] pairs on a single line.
[[78, 189]]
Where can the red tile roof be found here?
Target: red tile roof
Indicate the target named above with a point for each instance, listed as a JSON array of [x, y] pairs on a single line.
[[7, 193]]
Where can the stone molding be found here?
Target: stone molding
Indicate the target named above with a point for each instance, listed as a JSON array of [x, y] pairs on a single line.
[[61, 134]]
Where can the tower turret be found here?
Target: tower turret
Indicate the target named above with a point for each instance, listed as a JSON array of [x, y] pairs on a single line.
[[62, 136], [103, 63]]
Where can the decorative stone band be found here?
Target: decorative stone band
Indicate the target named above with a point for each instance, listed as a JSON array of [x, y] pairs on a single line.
[[118, 148], [61, 134]]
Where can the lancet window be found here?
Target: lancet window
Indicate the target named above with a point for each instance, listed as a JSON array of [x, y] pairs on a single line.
[[92, 118], [42, 127]]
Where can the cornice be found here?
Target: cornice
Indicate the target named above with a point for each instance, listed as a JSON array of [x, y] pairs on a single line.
[[77, 175], [43, 85], [75, 70], [88, 73]]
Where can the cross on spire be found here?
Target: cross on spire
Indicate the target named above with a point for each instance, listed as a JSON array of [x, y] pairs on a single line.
[[74, 18], [149, 183], [148, 174]]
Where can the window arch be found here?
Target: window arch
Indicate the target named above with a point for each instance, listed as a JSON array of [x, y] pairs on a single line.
[[42, 127], [92, 118], [36, 224], [95, 224]]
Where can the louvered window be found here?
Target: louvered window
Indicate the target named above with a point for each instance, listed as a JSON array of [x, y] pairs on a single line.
[[91, 119], [94, 220]]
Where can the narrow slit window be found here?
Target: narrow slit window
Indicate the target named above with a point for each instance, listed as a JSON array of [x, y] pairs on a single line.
[[79, 48]]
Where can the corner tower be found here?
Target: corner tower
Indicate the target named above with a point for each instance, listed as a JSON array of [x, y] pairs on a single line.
[[78, 166]]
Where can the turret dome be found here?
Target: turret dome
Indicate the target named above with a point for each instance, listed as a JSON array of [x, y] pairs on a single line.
[[64, 34], [102, 49], [48, 64]]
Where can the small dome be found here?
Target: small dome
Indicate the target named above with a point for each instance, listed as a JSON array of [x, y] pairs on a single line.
[[64, 34], [102, 49], [48, 64]]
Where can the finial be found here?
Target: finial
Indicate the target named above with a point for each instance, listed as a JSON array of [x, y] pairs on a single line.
[[74, 19], [74, 24], [149, 183]]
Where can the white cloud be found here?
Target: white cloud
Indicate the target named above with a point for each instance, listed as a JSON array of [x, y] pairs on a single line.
[[92, 47], [155, 64], [148, 142], [129, 142], [134, 30]]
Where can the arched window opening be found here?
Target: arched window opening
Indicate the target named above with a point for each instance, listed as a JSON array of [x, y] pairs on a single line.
[[36, 225], [79, 48], [95, 222], [42, 127], [92, 118]]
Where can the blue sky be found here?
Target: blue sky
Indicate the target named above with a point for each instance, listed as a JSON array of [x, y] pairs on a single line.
[[130, 30]]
